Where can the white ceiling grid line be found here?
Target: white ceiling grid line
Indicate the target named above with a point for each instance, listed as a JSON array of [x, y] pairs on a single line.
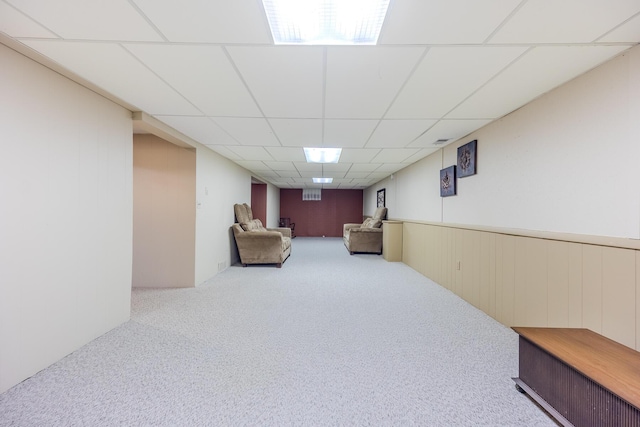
[[209, 69]]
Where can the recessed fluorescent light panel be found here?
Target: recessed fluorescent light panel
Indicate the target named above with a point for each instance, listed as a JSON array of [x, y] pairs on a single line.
[[322, 155], [322, 180], [326, 22]]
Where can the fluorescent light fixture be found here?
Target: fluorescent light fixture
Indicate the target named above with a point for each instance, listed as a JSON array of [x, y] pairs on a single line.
[[322, 180], [325, 22], [322, 155]]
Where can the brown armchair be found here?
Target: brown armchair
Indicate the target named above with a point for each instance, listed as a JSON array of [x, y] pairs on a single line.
[[259, 245], [365, 237]]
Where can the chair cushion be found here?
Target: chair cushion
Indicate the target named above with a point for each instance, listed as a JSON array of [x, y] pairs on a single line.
[[249, 211], [380, 213], [253, 225], [371, 223], [242, 216]]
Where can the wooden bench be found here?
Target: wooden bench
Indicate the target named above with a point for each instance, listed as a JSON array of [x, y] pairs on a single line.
[[580, 377]]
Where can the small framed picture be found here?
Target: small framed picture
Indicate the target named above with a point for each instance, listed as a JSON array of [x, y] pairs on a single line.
[[448, 181], [467, 159], [381, 198]]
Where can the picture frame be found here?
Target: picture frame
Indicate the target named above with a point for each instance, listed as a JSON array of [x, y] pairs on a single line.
[[448, 181], [467, 157], [381, 198]]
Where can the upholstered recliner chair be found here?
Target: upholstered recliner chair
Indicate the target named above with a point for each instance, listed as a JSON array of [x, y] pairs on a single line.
[[365, 237], [256, 244]]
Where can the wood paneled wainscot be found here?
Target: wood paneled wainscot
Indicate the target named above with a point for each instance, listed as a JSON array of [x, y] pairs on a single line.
[[534, 279], [392, 240]]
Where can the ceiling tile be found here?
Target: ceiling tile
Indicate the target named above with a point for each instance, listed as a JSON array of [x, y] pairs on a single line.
[[201, 129], [16, 24], [361, 182], [363, 81], [298, 132], [543, 68], [444, 22], [206, 21], [377, 176], [448, 75], [130, 81], [202, 74], [336, 167], [333, 174], [281, 167], [358, 155], [365, 167], [225, 152], [287, 154], [90, 20], [566, 21], [347, 133], [357, 175], [248, 131], [394, 155], [286, 81], [209, 69], [447, 129], [391, 167], [420, 155], [398, 133], [254, 165], [628, 32], [308, 167], [252, 153]]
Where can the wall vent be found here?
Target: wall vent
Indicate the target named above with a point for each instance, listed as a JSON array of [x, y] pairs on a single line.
[[311, 194]]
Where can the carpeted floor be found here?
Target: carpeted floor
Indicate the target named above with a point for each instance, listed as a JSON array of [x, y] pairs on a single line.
[[327, 340]]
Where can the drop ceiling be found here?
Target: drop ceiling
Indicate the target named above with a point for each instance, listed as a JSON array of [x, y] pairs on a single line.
[[209, 70]]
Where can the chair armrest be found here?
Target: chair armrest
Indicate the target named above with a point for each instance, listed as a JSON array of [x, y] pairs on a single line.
[[285, 231], [350, 227], [366, 230], [259, 241]]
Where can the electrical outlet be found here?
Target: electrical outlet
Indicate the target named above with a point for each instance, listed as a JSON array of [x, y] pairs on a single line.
[[458, 265]]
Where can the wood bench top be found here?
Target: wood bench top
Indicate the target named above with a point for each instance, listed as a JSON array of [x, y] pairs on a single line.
[[608, 363]]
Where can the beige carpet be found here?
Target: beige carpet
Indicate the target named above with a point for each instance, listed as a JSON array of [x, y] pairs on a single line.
[[328, 340]]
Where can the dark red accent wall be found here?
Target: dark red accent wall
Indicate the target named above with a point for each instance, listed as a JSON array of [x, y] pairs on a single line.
[[259, 202], [324, 217]]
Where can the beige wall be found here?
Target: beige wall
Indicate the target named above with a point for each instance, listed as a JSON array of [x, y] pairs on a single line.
[[565, 163], [164, 213], [65, 216]]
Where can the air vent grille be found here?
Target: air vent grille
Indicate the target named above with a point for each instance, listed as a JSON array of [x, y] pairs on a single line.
[[311, 194]]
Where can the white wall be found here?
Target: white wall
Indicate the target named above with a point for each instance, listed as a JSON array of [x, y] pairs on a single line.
[[273, 206], [220, 184], [65, 216], [566, 162]]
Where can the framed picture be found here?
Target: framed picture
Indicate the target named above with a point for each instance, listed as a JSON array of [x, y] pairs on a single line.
[[381, 198], [448, 181], [467, 159]]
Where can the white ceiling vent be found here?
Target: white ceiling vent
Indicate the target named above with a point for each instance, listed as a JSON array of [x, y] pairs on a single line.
[[312, 194], [441, 142]]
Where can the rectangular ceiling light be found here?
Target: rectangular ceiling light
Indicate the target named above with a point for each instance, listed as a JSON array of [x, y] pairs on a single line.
[[322, 155], [322, 180], [326, 22]]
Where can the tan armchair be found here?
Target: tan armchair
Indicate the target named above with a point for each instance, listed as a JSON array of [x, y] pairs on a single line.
[[259, 245], [365, 237]]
